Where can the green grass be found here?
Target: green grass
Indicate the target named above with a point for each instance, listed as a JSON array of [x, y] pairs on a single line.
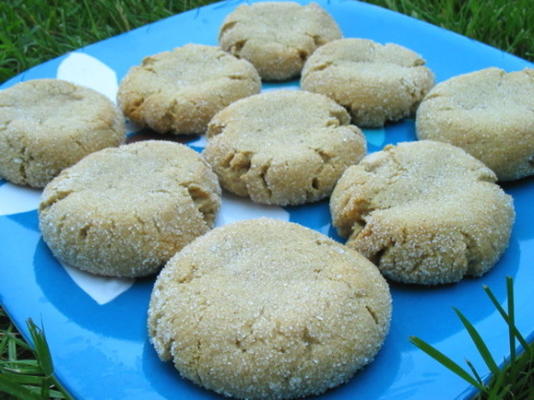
[[33, 31], [506, 24], [26, 372], [515, 379]]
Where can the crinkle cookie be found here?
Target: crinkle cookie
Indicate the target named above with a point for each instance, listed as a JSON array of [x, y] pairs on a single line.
[[265, 309], [125, 211], [376, 83], [283, 147], [424, 212], [277, 37], [47, 125], [489, 114], [179, 91]]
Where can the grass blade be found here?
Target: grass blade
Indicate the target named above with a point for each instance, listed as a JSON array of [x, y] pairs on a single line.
[[504, 315], [479, 343], [55, 394], [23, 379], [511, 317], [475, 372], [20, 392], [42, 352], [446, 362]]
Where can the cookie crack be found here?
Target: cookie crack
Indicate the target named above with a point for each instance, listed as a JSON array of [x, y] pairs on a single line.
[[322, 66], [323, 154], [190, 276], [237, 47], [337, 118], [317, 39], [236, 77], [135, 106], [470, 247], [263, 179], [81, 145], [309, 341], [55, 198], [84, 231], [372, 314], [316, 182], [216, 128], [156, 226], [249, 327], [226, 27], [238, 162], [202, 201], [141, 222]]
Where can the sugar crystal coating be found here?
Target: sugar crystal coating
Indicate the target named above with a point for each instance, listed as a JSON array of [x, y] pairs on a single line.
[[376, 83], [488, 113], [265, 309], [424, 212], [125, 211], [47, 125], [277, 37], [283, 147], [179, 91]]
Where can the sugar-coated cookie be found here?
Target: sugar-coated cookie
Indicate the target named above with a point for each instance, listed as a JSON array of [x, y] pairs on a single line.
[[47, 125], [283, 147], [424, 212], [277, 37], [179, 91], [125, 211], [265, 309], [488, 113], [376, 83]]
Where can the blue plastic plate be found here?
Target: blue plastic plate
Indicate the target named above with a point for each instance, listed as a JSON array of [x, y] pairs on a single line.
[[96, 328]]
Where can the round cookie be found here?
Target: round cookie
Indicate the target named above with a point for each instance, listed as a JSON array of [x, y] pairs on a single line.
[[283, 147], [179, 91], [489, 114], [376, 83], [125, 211], [265, 309], [277, 37], [424, 212], [47, 125]]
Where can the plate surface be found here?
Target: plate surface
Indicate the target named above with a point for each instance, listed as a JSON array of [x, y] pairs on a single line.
[[96, 328]]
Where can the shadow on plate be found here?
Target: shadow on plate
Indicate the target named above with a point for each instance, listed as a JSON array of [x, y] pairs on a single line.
[[523, 193], [414, 304]]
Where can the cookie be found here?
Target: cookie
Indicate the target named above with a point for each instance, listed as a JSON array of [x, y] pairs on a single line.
[[125, 211], [265, 309], [376, 83], [488, 113], [179, 91], [283, 147], [47, 125], [277, 37], [424, 212]]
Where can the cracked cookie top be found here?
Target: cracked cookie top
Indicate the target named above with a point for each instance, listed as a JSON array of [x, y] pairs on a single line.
[[488, 113], [125, 211], [283, 147], [268, 309], [424, 212], [179, 91], [47, 125], [377, 83], [277, 37]]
